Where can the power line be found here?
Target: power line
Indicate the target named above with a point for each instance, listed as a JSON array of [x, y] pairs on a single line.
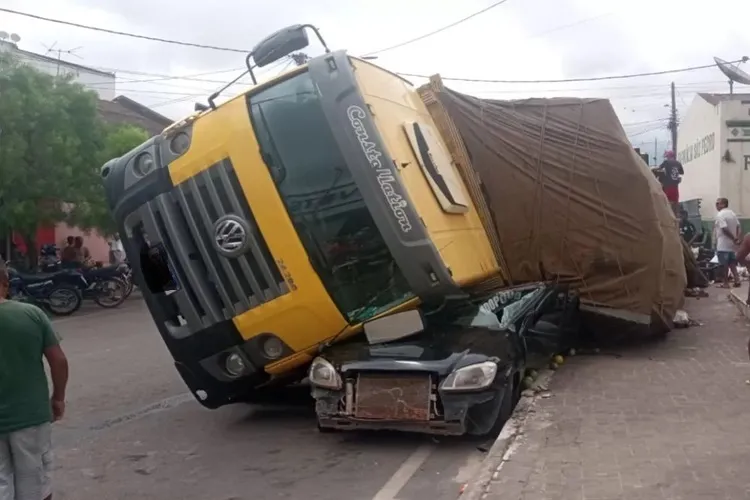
[[122, 33], [439, 30], [570, 80]]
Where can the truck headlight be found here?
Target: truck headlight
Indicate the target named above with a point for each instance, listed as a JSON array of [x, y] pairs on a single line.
[[472, 377], [144, 164], [234, 365], [323, 374]]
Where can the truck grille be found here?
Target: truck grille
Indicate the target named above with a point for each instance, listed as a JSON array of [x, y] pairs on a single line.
[[212, 287]]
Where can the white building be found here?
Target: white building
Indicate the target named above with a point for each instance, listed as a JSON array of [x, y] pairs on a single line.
[[101, 82], [714, 148]]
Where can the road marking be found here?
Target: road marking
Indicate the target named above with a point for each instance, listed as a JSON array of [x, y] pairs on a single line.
[[404, 473]]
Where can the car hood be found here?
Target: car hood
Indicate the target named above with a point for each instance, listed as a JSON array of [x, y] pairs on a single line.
[[438, 352]]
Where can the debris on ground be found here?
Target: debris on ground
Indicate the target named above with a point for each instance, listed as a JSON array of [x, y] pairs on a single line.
[[695, 292], [681, 319]]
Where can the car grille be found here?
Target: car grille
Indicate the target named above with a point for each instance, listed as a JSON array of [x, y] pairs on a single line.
[[212, 287], [393, 396]]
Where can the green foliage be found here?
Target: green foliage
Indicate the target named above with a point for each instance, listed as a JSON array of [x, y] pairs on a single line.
[[52, 145], [91, 212]]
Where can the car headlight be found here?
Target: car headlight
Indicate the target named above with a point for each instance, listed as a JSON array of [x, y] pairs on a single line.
[[323, 374], [472, 377]]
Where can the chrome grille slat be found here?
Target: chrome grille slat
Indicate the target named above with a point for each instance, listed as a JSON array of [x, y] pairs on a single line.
[[214, 287], [205, 177], [214, 193], [187, 308], [182, 249], [254, 247], [204, 250]]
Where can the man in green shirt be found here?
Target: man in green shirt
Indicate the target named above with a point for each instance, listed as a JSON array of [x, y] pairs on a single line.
[[26, 409]]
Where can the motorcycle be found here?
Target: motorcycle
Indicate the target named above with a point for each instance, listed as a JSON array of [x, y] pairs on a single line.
[[46, 290], [105, 285]]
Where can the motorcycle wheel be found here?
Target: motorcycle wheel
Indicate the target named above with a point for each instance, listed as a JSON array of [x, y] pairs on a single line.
[[64, 300], [110, 293], [128, 280]]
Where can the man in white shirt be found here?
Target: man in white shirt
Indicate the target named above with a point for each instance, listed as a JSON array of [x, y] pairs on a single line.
[[727, 235], [116, 250]]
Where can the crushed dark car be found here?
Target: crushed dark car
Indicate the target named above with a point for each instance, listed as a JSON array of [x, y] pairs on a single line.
[[454, 370]]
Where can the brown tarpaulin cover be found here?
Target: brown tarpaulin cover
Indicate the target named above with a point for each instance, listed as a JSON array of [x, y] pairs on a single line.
[[569, 197]]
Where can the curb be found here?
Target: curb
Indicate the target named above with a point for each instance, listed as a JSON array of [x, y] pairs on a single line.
[[505, 444], [740, 303]]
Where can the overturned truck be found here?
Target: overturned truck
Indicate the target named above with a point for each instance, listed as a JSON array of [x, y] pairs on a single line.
[[267, 229], [565, 196], [583, 237]]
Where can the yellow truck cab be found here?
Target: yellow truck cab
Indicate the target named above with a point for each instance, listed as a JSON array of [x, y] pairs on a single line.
[[284, 218]]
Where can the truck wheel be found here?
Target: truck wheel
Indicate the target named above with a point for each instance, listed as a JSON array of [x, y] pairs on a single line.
[[326, 430]]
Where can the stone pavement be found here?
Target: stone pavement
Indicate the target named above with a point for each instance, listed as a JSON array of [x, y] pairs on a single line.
[[665, 421]]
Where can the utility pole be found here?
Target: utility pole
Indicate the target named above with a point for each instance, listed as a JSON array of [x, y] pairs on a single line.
[[673, 121]]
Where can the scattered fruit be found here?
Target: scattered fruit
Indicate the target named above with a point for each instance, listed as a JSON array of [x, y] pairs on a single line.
[[528, 382], [558, 359], [533, 374]]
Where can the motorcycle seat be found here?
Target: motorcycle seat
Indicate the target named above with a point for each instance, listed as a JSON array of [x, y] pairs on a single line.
[[106, 271], [37, 277]]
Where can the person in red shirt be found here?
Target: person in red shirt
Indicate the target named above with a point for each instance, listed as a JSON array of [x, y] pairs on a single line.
[[669, 173]]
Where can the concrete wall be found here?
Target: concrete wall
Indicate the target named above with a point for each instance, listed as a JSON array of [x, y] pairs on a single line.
[[699, 151], [735, 166]]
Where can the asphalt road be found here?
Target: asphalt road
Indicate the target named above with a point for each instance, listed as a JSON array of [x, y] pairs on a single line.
[[133, 432]]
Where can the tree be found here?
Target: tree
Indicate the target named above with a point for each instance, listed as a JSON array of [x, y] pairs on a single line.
[[52, 143], [92, 211]]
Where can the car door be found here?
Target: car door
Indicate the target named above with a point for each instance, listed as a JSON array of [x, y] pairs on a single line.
[[550, 327]]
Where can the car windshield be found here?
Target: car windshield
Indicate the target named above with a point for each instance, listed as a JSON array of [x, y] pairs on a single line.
[[499, 312], [333, 223]]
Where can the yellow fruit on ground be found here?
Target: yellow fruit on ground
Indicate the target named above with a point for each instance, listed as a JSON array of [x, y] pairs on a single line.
[[527, 382], [558, 359], [532, 374]]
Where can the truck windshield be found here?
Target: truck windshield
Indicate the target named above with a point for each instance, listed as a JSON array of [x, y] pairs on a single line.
[[326, 208]]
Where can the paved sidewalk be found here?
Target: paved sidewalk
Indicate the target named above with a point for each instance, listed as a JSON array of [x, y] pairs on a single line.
[[669, 420]]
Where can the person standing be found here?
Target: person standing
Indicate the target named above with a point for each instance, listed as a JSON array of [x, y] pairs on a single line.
[[727, 236], [26, 409], [83, 256], [687, 228], [68, 254], [669, 173], [116, 250]]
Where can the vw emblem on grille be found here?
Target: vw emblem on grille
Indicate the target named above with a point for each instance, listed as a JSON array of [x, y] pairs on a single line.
[[231, 236]]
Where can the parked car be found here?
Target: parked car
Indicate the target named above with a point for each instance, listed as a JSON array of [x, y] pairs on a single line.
[[453, 371]]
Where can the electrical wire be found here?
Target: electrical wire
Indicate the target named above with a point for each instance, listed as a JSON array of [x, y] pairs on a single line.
[[435, 32], [571, 80], [122, 33]]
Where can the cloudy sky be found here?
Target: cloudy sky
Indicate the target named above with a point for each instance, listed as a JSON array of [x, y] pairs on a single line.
[[519, 40]]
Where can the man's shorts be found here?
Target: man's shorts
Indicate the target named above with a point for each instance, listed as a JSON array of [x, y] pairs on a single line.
[[25, 464], [672, 192], [726, 258]]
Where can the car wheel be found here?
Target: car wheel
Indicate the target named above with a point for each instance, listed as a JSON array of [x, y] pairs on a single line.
[[479, 419], [506, 411]]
